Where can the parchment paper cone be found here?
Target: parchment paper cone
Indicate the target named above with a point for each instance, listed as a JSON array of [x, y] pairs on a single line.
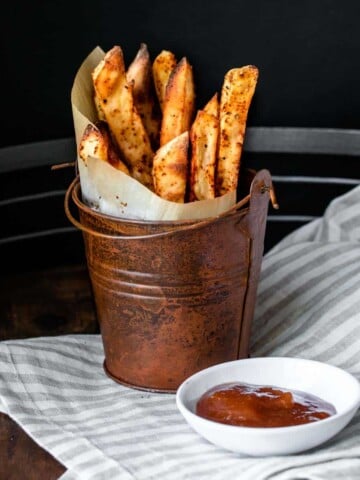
[[113, 192]]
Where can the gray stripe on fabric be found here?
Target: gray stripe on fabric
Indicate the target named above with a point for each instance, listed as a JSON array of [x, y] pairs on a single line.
[[74, 452], [350, 225], [276, 262], [309, 284], [69, 475], [104, 418], [351, 361], [318, 312], [107, 429], [305, 269], [91, 342], [296, 271], [322, 267], [29, 378], [286, 471], [331, 353], [97, 399], [87, 362], [80, 357], [331, 340], [181, 431], [188, 469], [313, 295], [159, 466], [101, 412], [76, 368], [100, 472], [73, 373]]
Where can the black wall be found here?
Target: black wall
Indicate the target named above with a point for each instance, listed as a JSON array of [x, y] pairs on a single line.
[[307, 53]]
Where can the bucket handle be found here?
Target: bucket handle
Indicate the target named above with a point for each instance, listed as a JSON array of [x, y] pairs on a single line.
[[85, 229]]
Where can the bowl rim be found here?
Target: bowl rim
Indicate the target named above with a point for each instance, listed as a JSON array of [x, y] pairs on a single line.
[[267, 431]]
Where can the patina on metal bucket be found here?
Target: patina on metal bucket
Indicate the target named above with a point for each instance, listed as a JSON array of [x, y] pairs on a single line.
[[173, 298]]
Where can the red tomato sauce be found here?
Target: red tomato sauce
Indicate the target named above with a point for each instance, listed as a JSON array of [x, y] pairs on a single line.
[[261, 406]]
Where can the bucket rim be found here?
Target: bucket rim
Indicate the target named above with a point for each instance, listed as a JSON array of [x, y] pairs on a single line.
[[75, 188]]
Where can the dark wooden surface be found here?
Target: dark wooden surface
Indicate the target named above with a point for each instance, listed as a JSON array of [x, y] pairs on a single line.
[[42, 303], [21, 458], [48, 302]]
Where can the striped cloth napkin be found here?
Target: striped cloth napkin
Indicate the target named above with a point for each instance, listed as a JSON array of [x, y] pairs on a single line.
[[308, 306]]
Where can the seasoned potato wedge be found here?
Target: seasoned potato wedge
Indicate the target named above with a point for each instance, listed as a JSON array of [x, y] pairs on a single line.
[[149, 128], [115, 93], [100, 112], [212, 107], [96, 142], [170, 169], [162, 67], [179, 102], [203, 137], [236, 95], [139, 74]]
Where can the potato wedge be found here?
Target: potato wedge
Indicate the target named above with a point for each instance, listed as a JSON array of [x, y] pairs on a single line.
[[117, 103], [96, 142], [179, 102], [162, 67], [212, 107], [203, 137], [100, 112], [139, 74], [236, 95], [170, 169]]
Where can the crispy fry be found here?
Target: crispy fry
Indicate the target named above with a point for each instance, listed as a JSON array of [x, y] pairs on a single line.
[[170, 169], [236, 95], [179, 102], [150, 108], [115, 93], [162, 67], [203, 137], [139, 74], [212, 107], [99, 109], [96, 142]]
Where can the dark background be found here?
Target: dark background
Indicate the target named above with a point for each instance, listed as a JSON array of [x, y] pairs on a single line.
[[307, 53]]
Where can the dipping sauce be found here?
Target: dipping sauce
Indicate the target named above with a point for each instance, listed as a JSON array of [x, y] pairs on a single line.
[[249, 405]]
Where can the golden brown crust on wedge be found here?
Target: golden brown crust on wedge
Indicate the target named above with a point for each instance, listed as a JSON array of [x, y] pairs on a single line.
[[139, 74], [212, 107], [170, 169], [150, 107], [179, 102], [236, 95], [162, 67], [96, 142], [100, 112], [124, 121], [203, 138]]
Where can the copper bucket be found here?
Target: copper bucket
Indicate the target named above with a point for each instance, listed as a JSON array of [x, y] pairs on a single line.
[[173, 298]]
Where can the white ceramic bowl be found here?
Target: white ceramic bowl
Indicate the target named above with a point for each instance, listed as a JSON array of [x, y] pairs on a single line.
[[332, 384]]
